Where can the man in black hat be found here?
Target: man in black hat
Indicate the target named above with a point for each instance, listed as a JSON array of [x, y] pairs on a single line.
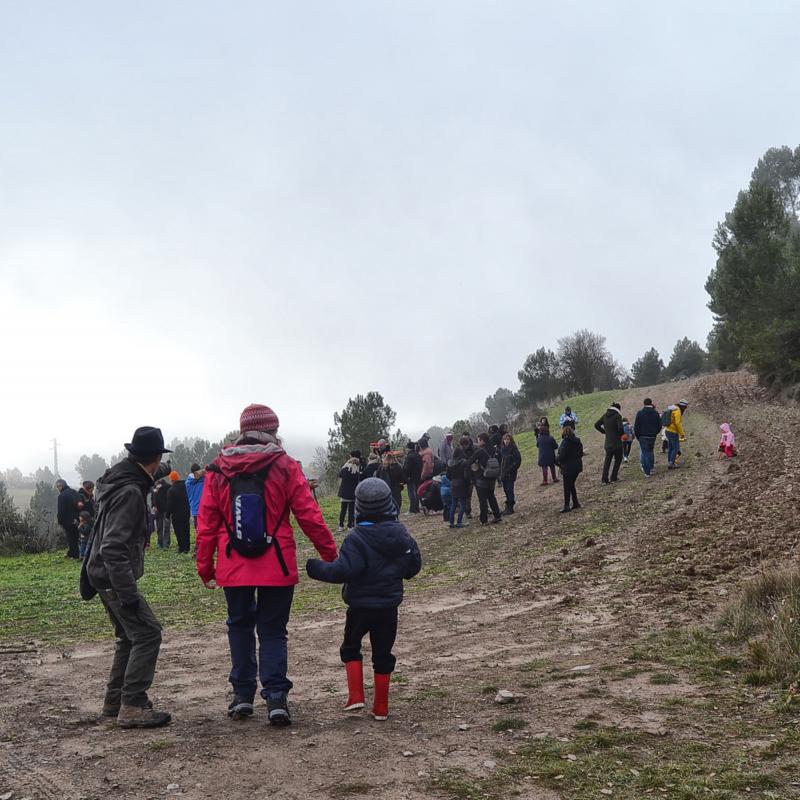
[[114, 565]]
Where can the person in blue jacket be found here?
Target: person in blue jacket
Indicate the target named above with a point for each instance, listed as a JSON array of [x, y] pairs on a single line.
[[194, 488], [374, 560]]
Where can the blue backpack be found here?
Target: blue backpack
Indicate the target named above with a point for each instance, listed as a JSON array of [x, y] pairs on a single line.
[[249, 532]]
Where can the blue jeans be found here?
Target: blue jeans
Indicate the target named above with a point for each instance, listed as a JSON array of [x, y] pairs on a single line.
[[264, 609], [508, 488], [461, 504], [447, 504], [674, 442], [647, 457]]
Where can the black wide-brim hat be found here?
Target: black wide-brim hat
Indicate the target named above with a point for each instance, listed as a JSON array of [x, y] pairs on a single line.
[[147, 441]]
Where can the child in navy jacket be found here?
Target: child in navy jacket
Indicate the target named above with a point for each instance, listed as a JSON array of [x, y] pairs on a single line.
[[373, 561]]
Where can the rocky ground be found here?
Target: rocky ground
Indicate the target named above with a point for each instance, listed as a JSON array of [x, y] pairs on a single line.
[[600, 623]]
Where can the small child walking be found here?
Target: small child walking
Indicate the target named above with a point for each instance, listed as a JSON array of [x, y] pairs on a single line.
[[727, 444], [446, 492], [547, 454], [375, 558], [85, 525], [627, 439]]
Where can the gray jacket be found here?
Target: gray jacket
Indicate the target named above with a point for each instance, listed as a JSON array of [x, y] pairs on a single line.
[[116, 560]]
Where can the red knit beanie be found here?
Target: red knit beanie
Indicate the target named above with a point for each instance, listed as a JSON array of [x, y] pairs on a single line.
[[258, 418]]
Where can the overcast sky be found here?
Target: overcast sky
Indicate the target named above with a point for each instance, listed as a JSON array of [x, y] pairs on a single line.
[[204, 205]]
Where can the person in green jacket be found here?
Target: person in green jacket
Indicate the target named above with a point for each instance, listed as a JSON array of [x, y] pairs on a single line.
[[611, 426]]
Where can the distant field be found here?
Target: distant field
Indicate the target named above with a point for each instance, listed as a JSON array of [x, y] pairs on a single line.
[[21, 498]]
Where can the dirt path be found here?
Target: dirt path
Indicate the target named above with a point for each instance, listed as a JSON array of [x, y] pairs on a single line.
[[548, 606]]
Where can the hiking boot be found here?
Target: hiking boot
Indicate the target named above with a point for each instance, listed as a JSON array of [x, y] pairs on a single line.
[[576, 505], [556, 480], [112, 709], [142, 717], [278, 710], [496, 520], [565, 510], [240, 708], [544, 483]]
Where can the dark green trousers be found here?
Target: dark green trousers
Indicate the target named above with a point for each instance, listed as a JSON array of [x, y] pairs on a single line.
[[138, 635]]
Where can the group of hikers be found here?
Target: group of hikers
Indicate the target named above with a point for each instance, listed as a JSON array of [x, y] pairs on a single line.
[[246, 546], [171, 504], [440, 482]]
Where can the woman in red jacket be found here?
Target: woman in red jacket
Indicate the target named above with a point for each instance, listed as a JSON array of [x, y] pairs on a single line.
[[256, 560]]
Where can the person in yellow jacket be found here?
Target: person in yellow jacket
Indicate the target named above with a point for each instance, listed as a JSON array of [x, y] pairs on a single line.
[[675, 432]]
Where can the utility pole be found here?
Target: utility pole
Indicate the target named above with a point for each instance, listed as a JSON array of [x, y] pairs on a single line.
[[54, 448]]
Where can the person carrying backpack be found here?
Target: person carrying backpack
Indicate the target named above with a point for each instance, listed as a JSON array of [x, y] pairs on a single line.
[[672, 420], [485, 469], [375, 559], [245, 543]]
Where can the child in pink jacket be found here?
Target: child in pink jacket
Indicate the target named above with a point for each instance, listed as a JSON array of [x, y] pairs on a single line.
[[727, 444]]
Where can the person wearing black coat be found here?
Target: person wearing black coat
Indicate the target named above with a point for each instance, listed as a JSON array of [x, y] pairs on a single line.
[[646, 428], [610, 425], [161, 511], [179, 512], [495, 440], [374, 560], [510, 460], [468, 449], [67, 517], [570, 459], [349, 476], [484, 485], [460, 485], [413, 469], [547, 446], [392, 473]]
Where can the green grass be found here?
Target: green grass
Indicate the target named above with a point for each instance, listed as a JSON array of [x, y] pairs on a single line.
[[39, 593], [628, 766], [509, 724]]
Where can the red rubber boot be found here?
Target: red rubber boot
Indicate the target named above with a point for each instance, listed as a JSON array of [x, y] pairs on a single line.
[[355, 685], [380, 707]]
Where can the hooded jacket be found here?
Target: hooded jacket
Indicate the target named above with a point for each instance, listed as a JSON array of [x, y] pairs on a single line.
[[457, 472], [194, 490], [676, 425], [116, 560], [728, 439], [547, 450], [610, 424], [374, 560], [285, 490], [67, 508], [647, 423]]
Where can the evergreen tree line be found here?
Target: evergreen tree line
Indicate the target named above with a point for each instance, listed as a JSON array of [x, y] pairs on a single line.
[[755, 284]]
